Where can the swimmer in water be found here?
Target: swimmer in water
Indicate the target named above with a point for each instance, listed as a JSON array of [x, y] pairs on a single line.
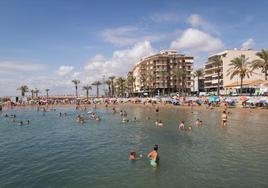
[[124, 120], [181, 126], [160, 124], [98, 118], [134, 119], [190, 128], [28, 122], [197, 122], [224, 118], [132, 156], [154, 156], [21, 122]]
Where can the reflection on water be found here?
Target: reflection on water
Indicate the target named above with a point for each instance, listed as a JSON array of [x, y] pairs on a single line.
[[57, 152]]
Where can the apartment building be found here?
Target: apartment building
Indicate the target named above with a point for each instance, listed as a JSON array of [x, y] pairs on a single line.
[[162, 73], [211, 70]]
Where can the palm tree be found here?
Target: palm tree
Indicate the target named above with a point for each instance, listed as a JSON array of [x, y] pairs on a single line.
[[36, 91], [24, 89], [217, 61], [261, 63], [108, 83], [97, 84], [130, 84], [164, 78], [121, 86], [239, 66], [32, 91], [47, 90], [112, 84], [142, 79], [179, 74], [76, 82], [87, 88], [194, 76], [198, 73]]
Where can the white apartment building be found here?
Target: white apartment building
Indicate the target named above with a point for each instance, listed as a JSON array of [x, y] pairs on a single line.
[[155, 73], [211, 75]]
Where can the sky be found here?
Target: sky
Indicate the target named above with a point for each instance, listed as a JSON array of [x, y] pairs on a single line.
[[46, 44]]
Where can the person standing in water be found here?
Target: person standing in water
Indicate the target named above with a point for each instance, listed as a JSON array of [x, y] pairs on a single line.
[[224, 118], [154, 156]]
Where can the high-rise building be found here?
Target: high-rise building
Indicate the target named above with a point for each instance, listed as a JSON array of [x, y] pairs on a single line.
[[161, 74], [211, 70]]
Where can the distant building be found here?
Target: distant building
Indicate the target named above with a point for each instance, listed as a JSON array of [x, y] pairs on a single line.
[[156, 74], [211, 75]]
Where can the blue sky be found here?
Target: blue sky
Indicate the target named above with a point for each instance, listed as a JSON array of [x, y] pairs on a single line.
[[45, 44]]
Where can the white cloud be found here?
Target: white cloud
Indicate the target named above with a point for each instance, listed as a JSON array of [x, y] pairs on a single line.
[[119, 64], [165, 17], [10, 66], [130, 35], [197, 21], [248, 44], [64, 70], [120, 35], [197, 41], [76, 74]]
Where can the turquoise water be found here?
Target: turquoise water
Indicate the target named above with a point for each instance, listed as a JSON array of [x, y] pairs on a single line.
[[57, 152]]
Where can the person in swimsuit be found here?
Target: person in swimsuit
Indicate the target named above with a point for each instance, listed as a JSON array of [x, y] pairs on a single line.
[[224, 118], [154, 156]]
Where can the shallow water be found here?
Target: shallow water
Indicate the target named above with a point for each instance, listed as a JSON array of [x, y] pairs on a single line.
[[57, 152]]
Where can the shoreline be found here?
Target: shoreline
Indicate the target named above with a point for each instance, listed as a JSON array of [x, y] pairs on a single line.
[[129, 104]]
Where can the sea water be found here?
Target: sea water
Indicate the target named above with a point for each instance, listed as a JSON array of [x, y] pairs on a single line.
[[56, 151]]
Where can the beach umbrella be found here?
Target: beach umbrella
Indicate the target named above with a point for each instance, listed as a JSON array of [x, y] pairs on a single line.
[[244, 98], [251, 100], [213, 99], [199, 101]]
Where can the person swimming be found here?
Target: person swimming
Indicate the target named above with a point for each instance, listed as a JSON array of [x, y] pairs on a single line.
[[160, 124], [181, 126], [197, 122], [97, 118], [132, 156], [124, 120], [134, 119], [154, 156], [190, 128]]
